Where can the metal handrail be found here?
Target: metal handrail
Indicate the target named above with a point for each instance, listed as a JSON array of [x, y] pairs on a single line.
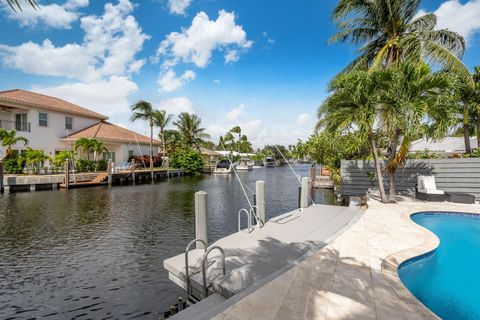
[[187, 276], [204, 265], [249, 219]]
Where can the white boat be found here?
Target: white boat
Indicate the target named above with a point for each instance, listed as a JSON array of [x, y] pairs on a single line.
[[244, 164], [223, 167], [269, 162]]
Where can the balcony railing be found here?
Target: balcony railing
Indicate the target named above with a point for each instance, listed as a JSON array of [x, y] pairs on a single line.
[[15, 125]]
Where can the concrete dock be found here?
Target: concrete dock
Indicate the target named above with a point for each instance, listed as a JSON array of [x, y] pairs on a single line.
[[253, 258]]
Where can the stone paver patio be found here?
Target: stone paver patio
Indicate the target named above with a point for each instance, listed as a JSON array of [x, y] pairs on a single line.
[[355, 276]]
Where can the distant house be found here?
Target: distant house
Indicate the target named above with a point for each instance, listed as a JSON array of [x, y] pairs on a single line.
[[444, 147], [210, 159], [52, 125]]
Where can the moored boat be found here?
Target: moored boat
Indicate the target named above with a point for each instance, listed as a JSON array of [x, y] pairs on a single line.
[[223, 167], [244, 164], [269, 162]]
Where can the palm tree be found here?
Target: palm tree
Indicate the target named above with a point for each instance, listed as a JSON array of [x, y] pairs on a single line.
[[390, 32], [35, 158], [85, 144], [413, 102], [353, 107], [143, 110], [97, 147], [15, 4], [161, 120], [229, 138], [190, 128], [172, 139], [9, 139]]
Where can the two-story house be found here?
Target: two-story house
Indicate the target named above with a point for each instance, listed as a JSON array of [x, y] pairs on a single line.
[[52, 125]]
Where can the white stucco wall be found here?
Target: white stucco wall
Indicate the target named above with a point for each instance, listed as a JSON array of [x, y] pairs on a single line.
[[49, 138], [46, 138]]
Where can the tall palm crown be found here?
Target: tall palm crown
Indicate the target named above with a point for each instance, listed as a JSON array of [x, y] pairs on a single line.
[[143, 110], [189, 126], [390, 32]]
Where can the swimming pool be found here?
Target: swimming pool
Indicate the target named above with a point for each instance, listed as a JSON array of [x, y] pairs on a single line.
[[447, 280]]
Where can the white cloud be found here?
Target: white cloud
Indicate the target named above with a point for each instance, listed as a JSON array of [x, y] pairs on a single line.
[[216, 81], [197, 43], [177, 105], [102, 64], [108, 96], [269, 40], [178, 6], [52, 15], [231, 56], [304, 118], [168, 81], [458, 17], [109, 47], [235, 113]]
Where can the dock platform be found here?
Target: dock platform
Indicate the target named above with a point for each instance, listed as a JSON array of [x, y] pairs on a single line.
[[254, 257]]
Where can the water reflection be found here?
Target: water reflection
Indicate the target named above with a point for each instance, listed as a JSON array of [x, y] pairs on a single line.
[[98, 252]]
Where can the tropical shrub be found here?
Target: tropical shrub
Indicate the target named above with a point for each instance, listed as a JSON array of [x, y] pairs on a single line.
[[83, 165], [424, 154], [35, 159], [61, 157], [13, 165], [187, 159], [101, 165]]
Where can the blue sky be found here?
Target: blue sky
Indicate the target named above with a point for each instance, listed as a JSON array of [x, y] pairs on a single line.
[[263, 65]]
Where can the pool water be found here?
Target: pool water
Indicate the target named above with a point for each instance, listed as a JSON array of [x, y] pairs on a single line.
[[447, 280]]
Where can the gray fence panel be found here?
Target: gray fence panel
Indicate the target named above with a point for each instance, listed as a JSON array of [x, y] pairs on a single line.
[[454, 175]]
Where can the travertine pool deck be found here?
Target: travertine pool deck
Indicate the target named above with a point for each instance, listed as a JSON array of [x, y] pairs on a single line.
[[353, 277]]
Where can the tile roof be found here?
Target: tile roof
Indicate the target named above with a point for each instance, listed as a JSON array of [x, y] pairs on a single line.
[[210, 153], [107, 131], [46, 102], [447, 144]]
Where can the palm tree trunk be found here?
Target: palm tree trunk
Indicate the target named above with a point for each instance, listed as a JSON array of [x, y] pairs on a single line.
[[151, 150], [373, 147], [393, 167], [478, 130], [466, 130]]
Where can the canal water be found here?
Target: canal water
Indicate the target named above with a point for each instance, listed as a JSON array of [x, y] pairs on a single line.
[[97, 253]]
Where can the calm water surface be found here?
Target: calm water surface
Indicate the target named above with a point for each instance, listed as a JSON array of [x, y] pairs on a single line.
[[98, 253]]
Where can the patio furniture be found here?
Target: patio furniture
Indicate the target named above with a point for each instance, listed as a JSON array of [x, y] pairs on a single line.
[[458, 197], [426, 190]]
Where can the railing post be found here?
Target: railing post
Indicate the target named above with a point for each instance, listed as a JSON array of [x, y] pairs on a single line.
[[1, 176], [304, 193], [109, 168], [133, 170], [201, 217], [67, 174], [260, 192]]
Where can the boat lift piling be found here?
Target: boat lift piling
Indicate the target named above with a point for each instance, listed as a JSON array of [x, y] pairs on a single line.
[[201, 218], [260, 201], [305, 193], [109, 170]]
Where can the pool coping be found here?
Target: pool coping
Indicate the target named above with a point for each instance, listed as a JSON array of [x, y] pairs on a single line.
[[392, 263]]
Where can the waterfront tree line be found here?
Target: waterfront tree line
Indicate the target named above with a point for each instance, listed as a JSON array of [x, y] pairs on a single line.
[[407, 82]]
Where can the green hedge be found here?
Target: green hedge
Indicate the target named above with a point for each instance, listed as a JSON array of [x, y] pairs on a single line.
[[187, 159], [90, 165]]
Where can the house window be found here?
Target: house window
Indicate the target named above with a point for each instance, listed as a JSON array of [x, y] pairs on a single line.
[[42, 119], [130, 153], [68, 123], [109, 156], [21, 122]]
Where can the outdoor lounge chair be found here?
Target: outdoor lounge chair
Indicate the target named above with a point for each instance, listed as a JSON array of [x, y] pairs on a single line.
[[458, 197], [426, 190]]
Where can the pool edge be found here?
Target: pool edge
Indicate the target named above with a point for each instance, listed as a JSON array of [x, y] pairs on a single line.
[[392, 263]]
